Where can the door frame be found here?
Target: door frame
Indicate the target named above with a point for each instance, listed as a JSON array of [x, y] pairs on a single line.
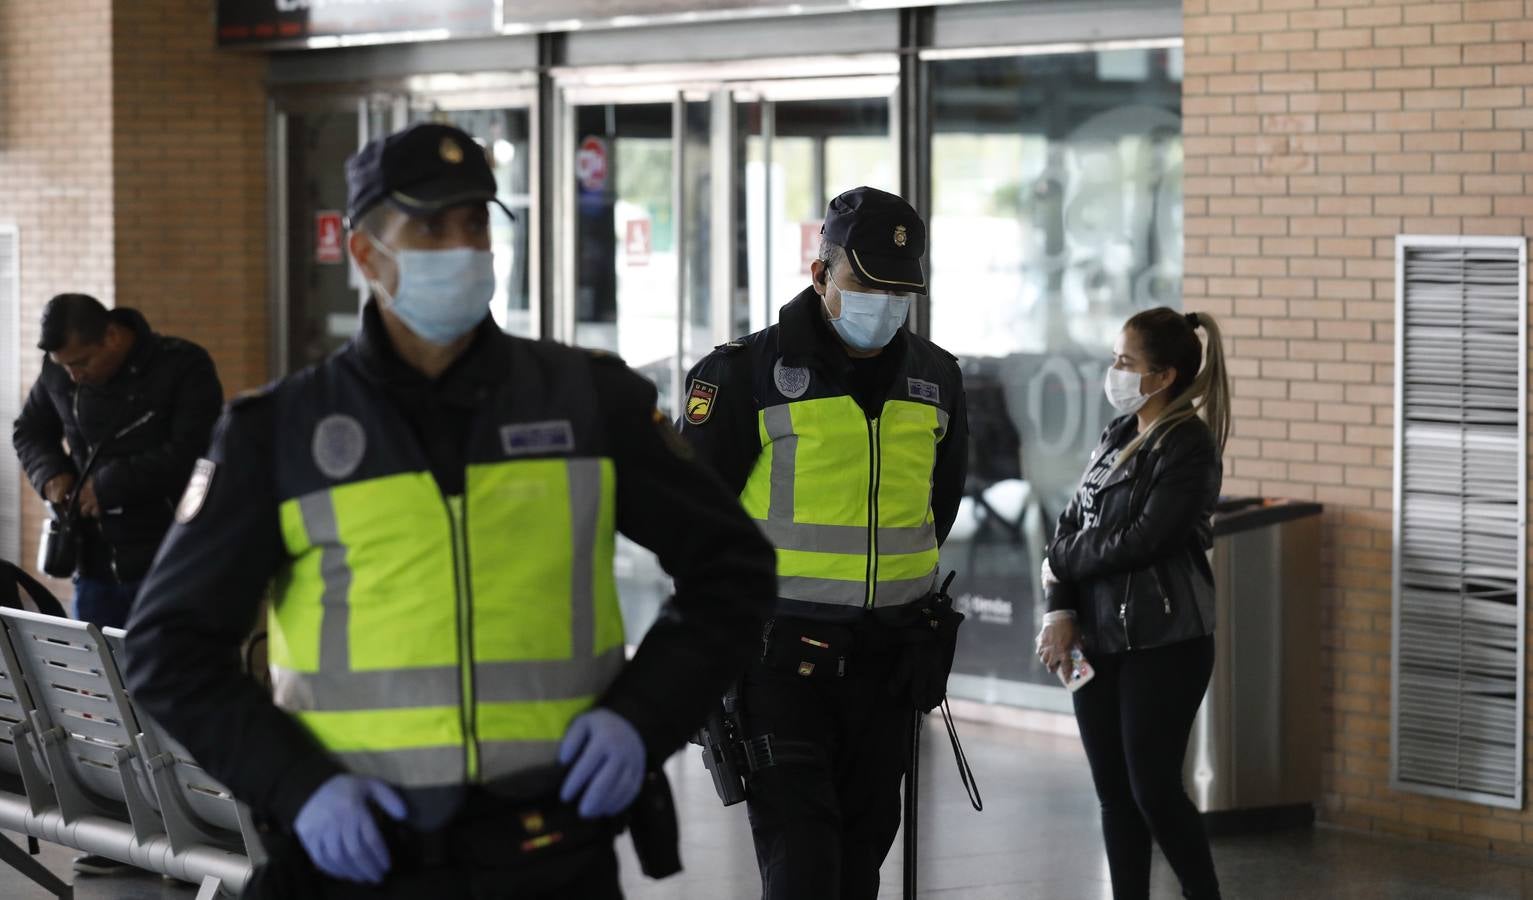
[[724, 86]]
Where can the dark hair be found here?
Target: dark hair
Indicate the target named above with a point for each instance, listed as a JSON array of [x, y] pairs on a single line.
[[832, 255], [73, 316], [1169, 339]]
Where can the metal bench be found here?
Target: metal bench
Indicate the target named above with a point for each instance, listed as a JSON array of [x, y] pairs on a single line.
[[110, 784]]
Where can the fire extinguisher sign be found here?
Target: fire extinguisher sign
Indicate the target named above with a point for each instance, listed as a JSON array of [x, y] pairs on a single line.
[[327, 237]]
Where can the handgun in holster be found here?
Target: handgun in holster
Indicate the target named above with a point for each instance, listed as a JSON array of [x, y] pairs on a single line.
[[727, 754]]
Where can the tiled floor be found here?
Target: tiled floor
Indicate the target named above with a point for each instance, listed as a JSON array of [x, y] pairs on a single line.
[[1037, 838]]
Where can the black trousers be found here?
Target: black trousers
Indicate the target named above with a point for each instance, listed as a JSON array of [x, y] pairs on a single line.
[[1134, 717], [824, 820], [587, 873]]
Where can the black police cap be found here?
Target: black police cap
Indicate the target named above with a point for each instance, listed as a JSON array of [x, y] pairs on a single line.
[[423, 169], [883, 237]]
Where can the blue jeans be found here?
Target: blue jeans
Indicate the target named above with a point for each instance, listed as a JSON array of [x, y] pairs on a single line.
[[104, 603]]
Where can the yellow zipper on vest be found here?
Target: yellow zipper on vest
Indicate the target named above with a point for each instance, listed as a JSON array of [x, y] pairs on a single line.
[[457, 514], [873, 479]]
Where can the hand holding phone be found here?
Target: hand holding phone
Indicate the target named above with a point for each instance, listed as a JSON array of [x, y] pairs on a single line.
[[1078, 672]]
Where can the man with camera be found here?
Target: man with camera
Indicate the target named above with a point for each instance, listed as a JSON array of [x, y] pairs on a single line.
[[108, 437]]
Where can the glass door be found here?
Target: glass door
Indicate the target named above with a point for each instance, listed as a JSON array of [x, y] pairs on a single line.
[[318, 293], [804, 143]]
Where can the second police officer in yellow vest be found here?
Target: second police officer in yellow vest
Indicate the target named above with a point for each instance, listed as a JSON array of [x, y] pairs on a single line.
[[435, 508], [846, 438]]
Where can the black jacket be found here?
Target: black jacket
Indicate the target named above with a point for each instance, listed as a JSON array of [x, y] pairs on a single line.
[[1140, 578], [161, 405], [201, 600], [743, 371]]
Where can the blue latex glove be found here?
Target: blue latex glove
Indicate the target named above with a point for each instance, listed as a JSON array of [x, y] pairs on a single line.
[[337, 829], [608, 757]]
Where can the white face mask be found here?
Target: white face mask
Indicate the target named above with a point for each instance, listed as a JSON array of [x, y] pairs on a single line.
[[442, 294], [1123, 391]]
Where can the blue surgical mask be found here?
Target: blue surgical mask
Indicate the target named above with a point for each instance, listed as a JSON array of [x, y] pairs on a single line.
[[869, 321], [442, 294]]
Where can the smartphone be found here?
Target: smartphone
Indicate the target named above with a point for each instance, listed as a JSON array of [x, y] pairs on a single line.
[[1078, 672]]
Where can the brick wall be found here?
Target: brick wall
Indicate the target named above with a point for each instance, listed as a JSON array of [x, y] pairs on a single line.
[[55, 168], [133, 161], [190, 169], [1316, 130]]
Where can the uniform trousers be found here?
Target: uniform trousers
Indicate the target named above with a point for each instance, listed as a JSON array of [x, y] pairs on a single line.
[[824, 817]]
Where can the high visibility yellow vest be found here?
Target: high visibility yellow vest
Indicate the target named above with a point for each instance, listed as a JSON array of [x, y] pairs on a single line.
[[847, 499], [430, 640]]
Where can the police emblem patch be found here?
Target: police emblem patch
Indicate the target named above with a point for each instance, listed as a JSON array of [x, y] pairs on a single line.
[[538, 437], [901, 236], [700, 398], [196, 491], [339, 445], [792, 381], [452, 154], [924, 390]]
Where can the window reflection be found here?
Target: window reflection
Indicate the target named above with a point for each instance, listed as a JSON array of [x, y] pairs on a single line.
[[1056, 186]]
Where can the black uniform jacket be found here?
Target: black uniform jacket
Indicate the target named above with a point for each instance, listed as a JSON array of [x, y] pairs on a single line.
[[1140, 578], [202, 598], [161, 406], [744, 373]]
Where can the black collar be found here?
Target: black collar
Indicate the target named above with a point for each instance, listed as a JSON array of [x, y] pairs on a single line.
[[806, 339], [483, 365], [145, 341]]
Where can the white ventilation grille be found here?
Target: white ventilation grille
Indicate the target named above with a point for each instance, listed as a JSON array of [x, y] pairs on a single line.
[[1460, 517], [10, 390]]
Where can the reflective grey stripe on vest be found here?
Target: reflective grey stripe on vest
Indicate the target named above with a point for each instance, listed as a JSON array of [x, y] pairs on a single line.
[[855, 593], [585, 513], [324, 531], [437, 766], [847, 538], [899, 593], [779, 428], [822, 590], [417, 767], [495, 682]]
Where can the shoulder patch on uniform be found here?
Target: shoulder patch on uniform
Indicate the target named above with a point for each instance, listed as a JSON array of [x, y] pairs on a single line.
[[196, 493], [700, 399], [925, 390]]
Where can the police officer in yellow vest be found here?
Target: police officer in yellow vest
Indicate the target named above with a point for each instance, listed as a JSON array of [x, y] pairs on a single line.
[[846, 438], [435, 508]]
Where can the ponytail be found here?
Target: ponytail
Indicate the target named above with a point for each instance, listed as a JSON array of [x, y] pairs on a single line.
[[1202, 386]]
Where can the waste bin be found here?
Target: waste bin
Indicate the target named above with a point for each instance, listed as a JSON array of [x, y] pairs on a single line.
[[1253, 760]]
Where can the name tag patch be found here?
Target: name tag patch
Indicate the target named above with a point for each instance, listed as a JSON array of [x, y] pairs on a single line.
[[538, 438], [925, 390]]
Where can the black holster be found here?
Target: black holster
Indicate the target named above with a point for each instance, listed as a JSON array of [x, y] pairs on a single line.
[[928, 633], [652, 827]]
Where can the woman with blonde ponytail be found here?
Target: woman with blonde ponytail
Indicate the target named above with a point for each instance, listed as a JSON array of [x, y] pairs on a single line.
[[1129, 587]]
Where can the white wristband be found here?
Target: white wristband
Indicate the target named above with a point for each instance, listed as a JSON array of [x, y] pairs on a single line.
[[1058, 615]]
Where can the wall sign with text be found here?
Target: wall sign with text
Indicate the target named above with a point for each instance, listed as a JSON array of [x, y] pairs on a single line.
[[270, 23]]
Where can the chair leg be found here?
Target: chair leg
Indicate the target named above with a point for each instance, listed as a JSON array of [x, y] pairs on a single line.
[[211, 888], [19, 860]]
